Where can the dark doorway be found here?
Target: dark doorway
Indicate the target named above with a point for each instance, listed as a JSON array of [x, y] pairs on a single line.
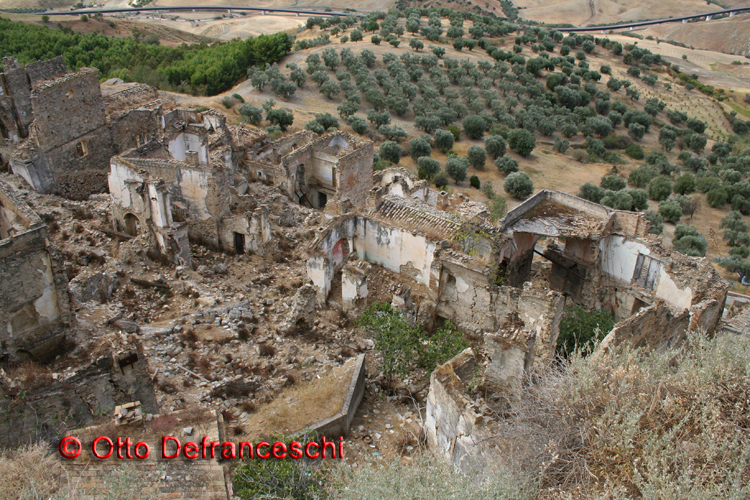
[[239, 243], [132, 225], [322, 200]]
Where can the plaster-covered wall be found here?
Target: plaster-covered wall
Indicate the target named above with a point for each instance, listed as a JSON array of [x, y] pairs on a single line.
[[395, 249], [619, 256]]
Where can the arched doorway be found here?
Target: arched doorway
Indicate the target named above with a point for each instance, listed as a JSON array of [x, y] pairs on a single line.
[[132, 225]]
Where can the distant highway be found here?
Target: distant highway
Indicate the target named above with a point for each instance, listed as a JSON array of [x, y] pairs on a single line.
[[684, 19], [208, 8], [217, 8]]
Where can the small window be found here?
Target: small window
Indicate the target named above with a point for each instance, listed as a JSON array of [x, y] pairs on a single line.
[[646, 271], [82, 148]]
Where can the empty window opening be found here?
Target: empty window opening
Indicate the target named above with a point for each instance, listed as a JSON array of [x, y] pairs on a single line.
[[239, 243], [646, 271], [322, 200]]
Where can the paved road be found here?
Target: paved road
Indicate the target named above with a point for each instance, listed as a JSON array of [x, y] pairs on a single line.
[[340, 13], [202, 9], [655, 21]]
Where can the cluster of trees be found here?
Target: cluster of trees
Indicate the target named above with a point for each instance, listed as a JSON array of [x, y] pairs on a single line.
[[736, 235], [278, 119], [197, 69]]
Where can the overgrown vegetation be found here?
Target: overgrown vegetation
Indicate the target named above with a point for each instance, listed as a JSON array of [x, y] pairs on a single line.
[[579, 328], [289, 478], [405, 347]]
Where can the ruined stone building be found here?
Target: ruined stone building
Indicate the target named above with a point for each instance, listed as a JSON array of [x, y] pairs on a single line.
[[34, 303], [191, 184], [58, 132], [595, 256], [314, 170]]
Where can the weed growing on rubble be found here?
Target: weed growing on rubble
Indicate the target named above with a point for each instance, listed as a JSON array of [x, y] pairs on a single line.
[[405, 347], [426, 480], [302, 479], [579, 327]]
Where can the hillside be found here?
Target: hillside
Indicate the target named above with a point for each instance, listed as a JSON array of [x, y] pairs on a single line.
[[547, 168]]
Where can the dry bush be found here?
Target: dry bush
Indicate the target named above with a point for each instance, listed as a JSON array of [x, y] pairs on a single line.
[[243, 333], [238, 430], [248, 406], [167, 386], [427, 478], [636, 424], [189, 335], [28, 472], [31, 375]]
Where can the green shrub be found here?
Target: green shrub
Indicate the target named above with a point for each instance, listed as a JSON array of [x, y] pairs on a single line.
[[518, 185], [659, 189], [298, 479], [689, 241], [522, 141], [440, 180], [578, 327], [657, 222], [634, 151], [717, 197], [591, 192], [474, 182], [670, 210], [613, 182], [404, 347]]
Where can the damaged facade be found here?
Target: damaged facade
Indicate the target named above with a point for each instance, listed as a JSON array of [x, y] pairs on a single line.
[[600, 258], [59, 132], [34, 301], [191, 183]]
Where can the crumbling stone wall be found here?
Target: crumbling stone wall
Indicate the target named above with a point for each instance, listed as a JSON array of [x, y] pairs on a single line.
[[76, 397], [204, 192], [452, 425], [354, 175], [70, 144], [134, 128], [34, 301]]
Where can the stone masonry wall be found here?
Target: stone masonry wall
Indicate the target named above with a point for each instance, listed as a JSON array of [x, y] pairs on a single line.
[[34, 300], [76, 398], [355, 175]]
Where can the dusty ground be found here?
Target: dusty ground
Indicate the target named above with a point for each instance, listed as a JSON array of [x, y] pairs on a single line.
[[586, 12], [727, 35]]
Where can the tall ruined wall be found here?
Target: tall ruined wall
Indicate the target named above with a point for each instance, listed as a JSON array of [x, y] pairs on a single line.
[[355, 175], [67, 108], [203, 191], [471, 300], [34, 300], [77, 176], [39, 71], [134, 128], [16, 85], [72, 133]]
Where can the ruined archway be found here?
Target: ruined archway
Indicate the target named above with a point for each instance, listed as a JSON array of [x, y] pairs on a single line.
[[132, 225]]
